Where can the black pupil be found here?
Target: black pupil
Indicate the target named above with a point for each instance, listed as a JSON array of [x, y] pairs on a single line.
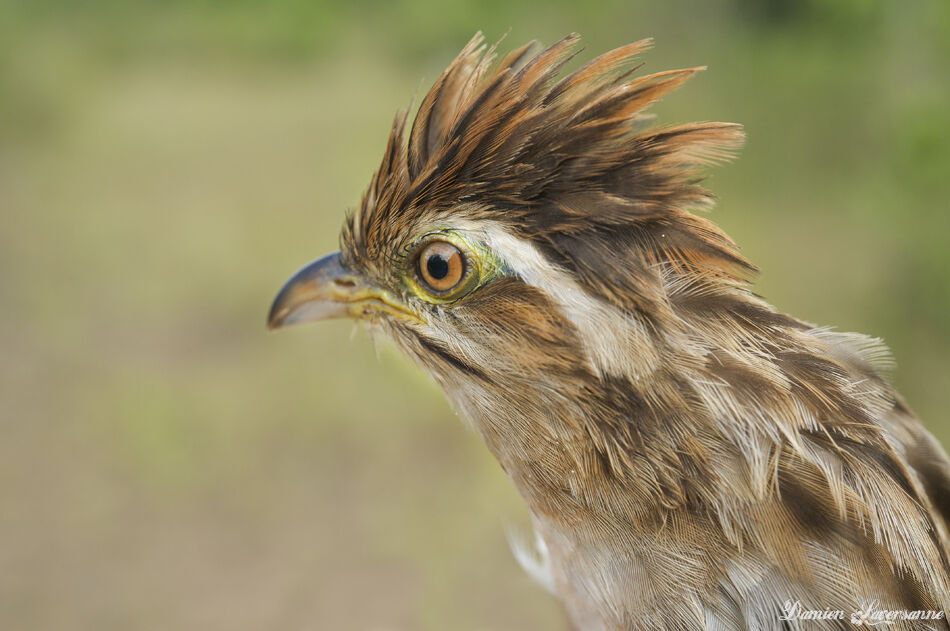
[[437, 266]]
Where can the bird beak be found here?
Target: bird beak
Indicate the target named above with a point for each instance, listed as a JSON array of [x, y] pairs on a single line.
[[326, 289]]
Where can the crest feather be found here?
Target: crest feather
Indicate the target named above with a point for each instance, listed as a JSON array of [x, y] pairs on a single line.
[[554, 159]]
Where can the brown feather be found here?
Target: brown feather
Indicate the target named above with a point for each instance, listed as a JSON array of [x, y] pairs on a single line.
[[691, 457]]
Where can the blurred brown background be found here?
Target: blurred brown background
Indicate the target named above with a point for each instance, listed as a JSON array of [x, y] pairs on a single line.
[[167, 464]]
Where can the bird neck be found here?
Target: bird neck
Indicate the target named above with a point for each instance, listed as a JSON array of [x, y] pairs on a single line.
[[580, 449]]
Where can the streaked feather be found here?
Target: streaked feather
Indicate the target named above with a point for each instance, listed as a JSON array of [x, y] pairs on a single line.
[[692, 458]]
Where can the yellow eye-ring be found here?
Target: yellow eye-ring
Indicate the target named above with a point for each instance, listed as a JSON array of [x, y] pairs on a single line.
[[442, 267]]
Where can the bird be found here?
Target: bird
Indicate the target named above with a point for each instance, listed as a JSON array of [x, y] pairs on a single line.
[[690, 457]]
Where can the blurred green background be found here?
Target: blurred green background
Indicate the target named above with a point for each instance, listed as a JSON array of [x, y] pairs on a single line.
[[167, 464]]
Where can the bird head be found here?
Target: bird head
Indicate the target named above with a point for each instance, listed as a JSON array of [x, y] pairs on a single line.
[[529, 232], [535, 246]]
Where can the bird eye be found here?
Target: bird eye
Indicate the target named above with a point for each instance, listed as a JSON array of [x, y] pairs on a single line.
[[442, 267]]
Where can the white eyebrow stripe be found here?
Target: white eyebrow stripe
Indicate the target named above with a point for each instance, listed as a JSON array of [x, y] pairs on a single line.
[[610, 337]]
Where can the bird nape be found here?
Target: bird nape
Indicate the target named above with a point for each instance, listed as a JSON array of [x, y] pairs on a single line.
[[691, 458]]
